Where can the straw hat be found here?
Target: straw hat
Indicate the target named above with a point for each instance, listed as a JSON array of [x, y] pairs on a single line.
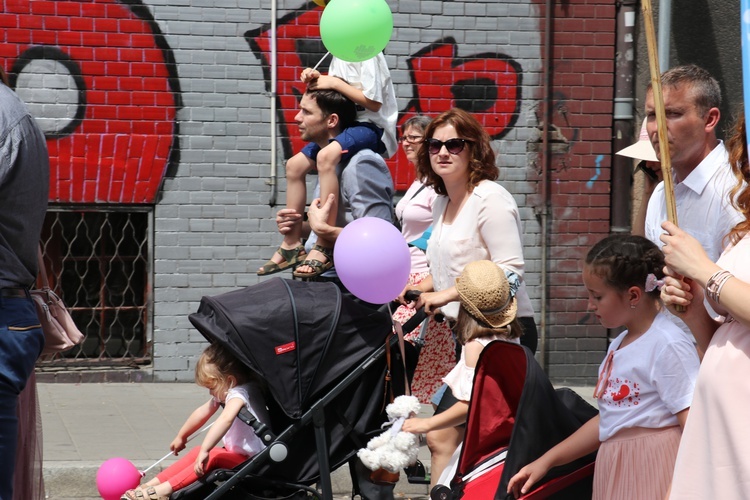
[[485, 294], [641, 150]]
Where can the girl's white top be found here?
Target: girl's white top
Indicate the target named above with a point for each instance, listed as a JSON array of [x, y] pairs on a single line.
[[240, 438], [652, 379], [461, 378]]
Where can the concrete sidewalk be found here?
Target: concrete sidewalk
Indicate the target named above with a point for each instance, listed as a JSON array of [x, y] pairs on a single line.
[[86, 424]]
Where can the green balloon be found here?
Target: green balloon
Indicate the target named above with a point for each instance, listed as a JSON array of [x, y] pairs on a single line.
[[356, 30]]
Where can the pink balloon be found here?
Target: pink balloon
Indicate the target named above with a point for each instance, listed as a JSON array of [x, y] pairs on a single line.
[[372, 259], [115, 477]]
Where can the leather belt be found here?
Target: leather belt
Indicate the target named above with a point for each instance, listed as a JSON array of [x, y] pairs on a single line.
[[14, 293]]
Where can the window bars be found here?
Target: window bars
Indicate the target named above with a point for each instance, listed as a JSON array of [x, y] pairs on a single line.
[[99, 261]]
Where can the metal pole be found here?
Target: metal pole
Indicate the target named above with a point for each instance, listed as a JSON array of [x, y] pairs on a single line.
[[622, 167], [274, 69], [665, 27]]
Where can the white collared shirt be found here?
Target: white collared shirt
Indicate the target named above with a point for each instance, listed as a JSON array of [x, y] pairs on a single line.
[[704, 210]]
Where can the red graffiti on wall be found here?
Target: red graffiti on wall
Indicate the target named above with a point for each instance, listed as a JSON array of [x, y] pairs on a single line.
[[119, 135], [487, 84]]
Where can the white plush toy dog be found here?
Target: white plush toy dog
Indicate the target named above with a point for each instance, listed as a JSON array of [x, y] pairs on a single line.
[[393, 449]]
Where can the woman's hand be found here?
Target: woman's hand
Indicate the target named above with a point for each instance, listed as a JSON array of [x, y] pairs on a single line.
[[401, 299], [677, 291], [201, 461], [178, 444], [521, 483], [416, 425], [683, 253], [433, 301]]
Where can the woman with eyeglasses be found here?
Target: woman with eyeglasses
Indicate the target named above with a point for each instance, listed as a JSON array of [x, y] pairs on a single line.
[[474, 218], [414, 214]]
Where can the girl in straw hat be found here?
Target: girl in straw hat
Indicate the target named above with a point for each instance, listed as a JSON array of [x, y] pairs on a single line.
[[645, 383], [487, 312]]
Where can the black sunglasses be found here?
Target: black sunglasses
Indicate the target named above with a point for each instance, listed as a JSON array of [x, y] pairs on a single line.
[[454, 146]]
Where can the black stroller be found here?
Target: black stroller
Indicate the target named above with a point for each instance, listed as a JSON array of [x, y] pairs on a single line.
[[322, 355]]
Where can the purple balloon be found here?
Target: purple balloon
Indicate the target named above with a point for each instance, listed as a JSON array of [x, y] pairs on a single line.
[[372, 259]]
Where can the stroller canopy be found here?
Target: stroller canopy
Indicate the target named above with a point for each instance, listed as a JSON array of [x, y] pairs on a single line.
[[300, 337]]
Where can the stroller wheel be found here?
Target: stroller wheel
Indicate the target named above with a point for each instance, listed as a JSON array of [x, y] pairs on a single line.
[[440, 492]]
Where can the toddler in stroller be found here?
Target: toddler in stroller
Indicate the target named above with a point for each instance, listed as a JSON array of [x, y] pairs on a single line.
[[232, 386], [321, 357]]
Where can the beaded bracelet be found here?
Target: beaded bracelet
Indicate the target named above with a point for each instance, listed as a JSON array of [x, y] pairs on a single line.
[[715, 283]]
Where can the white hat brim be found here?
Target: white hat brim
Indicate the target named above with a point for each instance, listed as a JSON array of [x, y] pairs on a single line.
[[641, 150]]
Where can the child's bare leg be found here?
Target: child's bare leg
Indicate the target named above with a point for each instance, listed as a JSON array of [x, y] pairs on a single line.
[[297, 168], [442, 443], [327, 161]]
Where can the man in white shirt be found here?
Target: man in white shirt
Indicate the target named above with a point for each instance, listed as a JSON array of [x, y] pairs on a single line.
[[700, 163], [700, 167]]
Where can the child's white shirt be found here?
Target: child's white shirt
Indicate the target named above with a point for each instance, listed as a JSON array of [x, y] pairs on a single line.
[[240, 438], [652, 379], [461, 378], [373, 78]]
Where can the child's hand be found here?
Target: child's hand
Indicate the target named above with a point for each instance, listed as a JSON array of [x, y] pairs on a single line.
[[521, 483], [416, 425], [309, 74], [177, 445], [323, 82], [201, 462]]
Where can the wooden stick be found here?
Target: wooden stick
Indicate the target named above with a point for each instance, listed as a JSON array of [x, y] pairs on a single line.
[[661, 117]]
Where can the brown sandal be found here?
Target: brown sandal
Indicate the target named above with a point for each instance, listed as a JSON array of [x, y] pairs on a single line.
[[134, 494], [293, 257], [318, 266]]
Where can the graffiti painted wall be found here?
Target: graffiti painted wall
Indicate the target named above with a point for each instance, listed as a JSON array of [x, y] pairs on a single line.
[[169, 104]]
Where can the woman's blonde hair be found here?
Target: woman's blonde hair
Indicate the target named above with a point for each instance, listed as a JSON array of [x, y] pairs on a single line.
[[467, 328], [215, 365]]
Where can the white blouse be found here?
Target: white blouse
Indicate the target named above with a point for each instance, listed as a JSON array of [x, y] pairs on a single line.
[[488, 227]]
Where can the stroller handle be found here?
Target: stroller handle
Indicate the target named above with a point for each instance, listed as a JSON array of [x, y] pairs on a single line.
[[420, 315]]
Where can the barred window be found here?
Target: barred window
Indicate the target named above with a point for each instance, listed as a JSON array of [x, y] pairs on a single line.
[[98, 261]]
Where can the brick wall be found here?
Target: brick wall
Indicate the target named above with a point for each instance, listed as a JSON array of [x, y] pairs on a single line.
[[582, 102], [208, 64]]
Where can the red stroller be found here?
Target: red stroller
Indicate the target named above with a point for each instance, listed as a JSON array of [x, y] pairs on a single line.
[[515, 416]]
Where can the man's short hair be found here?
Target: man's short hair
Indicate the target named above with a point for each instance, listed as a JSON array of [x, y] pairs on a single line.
[[706, 89], [331, 101]]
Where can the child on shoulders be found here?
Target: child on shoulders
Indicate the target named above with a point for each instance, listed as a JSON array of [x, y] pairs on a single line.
[[368, 84]]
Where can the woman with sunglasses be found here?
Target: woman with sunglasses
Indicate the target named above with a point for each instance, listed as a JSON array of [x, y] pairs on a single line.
[[474, 218], [414, 214]]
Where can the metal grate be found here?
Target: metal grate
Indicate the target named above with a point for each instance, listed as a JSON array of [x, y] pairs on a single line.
[[98, 261]]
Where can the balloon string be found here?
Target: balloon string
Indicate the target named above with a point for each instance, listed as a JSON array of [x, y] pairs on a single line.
[[143, 472], [321, 60]]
